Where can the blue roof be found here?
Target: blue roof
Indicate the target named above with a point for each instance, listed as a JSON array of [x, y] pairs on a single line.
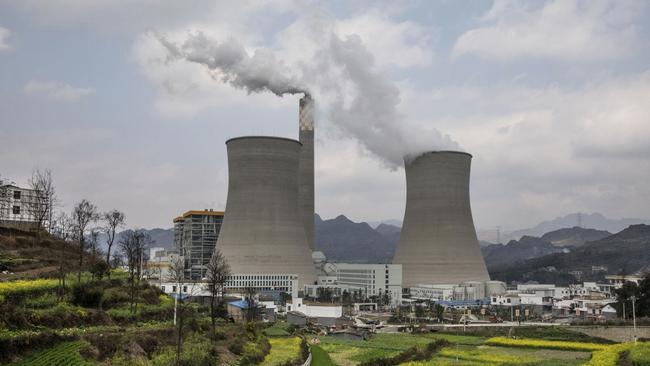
[[242, 304]]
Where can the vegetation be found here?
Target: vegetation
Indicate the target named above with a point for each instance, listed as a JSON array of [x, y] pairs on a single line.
[[540, 343], [283, 351], [63, 354]]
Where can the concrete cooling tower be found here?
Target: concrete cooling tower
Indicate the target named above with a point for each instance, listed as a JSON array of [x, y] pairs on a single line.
[[262, 231], [306, 172], [438, 244]]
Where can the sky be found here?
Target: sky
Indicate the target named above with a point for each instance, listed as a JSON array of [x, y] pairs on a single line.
[[552, 99]]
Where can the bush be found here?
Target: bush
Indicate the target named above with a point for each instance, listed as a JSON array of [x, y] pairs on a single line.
[[254, 353], [87, 294], [114, 296]]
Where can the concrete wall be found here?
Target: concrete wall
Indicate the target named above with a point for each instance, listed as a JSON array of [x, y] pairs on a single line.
[[438, 244], [614, 333], [263, 231]]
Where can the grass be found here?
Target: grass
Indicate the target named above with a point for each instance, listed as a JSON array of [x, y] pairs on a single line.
[[279, 329], [283, 350], [63, 354], [640, 354], [320, 357]]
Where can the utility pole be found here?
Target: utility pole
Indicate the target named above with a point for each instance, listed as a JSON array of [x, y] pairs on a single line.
[[634, 317]]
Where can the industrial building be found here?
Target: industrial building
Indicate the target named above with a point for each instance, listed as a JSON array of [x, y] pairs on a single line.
[[369, 280], [438, 244], [195, 238], [263, 233]]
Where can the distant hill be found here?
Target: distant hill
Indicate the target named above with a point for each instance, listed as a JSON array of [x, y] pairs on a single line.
[[388, 230], [516, 251], [625, 252], [594, 221], [575, 236], [344, 240], [391, 222]]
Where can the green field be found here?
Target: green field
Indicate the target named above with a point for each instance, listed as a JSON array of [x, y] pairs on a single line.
[[64, 354], [471, 350]]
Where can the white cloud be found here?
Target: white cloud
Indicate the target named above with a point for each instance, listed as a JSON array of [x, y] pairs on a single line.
[[4, 39], [567, 30], [57, 90]]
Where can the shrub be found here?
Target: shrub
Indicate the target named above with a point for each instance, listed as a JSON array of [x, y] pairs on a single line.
[[114, 296], [99, 269], [87, 294]]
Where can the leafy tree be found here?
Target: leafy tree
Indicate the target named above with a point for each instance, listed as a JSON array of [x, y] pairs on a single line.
[[625, 294], [643, 299]]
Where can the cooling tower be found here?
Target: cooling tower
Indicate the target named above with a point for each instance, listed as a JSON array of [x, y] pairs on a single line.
[[262, 231], [306, 172], [438, 244]]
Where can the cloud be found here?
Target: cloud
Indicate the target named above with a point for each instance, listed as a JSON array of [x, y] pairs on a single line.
[[4, 39], [564, 30], [57, 90]]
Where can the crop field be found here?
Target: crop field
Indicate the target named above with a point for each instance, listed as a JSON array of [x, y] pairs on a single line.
[[283, 351], [64, 354], [469, 350]]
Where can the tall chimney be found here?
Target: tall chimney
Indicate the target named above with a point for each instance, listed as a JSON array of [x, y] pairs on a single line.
[[306, 168], [438, 244]]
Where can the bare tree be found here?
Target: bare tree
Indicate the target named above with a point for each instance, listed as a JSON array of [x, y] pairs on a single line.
[[94, 241], [4, 199], [83, 214], [177, 276], [114, 219], [42, 200], [251, 303], [217, 274], [133, 245], [63, 228]]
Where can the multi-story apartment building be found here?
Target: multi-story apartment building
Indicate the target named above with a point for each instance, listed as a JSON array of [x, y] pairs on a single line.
[[195, 238], [21, 206]]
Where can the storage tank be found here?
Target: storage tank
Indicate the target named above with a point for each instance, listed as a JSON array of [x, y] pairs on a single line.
[[438, 243], [262, 231]]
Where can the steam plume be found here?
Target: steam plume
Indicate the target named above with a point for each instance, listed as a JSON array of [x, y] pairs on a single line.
[[341, 76]]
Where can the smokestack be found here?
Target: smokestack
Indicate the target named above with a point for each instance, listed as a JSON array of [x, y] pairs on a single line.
[[263, 232], [438, 244], [306, 171]]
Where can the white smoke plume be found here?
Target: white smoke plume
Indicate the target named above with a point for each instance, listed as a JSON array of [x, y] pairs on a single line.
[[342, 78]]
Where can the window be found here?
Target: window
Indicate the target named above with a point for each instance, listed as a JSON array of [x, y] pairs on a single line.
[[508, 301], [184, 288], [173, 288], [17, 195], [16, 209], [162, 288]]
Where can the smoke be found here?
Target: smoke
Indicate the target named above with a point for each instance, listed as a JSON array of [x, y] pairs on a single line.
[[341, 76], [232, 64]]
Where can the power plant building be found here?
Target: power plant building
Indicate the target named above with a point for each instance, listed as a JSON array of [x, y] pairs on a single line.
[[263, 234], [195, 238], [438, 244]]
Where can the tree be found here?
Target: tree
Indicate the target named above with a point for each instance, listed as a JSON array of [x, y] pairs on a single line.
[[177, 275], [114, 219], [133, 244], [643, 300], [4, 201], [94, 241], [64, 229], [625, 294], [217, 274], [41, 203], [251, 310], [83, 214]]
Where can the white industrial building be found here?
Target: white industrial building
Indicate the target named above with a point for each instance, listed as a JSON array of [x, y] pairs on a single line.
[[20, 206], [466, 291], [368, 279]]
